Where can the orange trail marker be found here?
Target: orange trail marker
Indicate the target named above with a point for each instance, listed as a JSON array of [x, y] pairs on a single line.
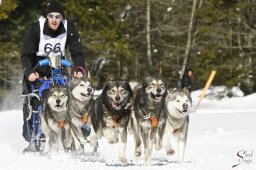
[[207, 85]]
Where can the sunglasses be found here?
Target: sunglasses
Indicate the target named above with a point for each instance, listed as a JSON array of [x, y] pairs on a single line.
[[54, 16]]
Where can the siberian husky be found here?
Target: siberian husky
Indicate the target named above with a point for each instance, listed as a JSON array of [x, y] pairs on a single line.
[[178, 106], [55, 119], [81, 104], [148, 118], [111, 114]]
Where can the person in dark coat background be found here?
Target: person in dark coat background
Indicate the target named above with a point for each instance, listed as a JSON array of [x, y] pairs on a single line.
[[187, 79]]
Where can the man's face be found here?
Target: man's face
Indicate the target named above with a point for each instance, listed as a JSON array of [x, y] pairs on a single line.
[[190, 73], [54, 20]]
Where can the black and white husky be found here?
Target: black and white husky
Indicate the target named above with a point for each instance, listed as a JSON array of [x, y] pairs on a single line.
[[148, 118], [111, 114], [80, 106], [178, 106], [55, 118]]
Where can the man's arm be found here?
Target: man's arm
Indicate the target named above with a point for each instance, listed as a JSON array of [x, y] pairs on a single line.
[[76, 49], [30, 46]]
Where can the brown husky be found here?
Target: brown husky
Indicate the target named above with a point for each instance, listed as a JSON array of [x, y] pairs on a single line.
[[148, 118], [110, 115]]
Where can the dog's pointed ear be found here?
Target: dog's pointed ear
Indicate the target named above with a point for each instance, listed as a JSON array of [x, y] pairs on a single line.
[[185, 89], [110, 76], [171, 94], [172, 90], [71, 82], [146, 80], [51, 86], [168, 93]]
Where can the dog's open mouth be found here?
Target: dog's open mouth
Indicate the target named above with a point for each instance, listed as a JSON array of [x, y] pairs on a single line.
[[157, 97], [58, 106], [85, 95], [183, 111], [116, 105]]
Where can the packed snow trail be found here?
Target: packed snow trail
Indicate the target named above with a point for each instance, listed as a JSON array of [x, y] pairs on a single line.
[[218, 131]]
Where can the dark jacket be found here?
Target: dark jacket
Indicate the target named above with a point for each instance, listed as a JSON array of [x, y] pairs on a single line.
[[31, 44], [186, 81]]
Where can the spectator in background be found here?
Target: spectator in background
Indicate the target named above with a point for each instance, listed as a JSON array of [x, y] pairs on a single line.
[[187, 79]]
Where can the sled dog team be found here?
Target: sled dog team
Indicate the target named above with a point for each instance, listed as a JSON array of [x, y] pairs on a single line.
[[151, 112]]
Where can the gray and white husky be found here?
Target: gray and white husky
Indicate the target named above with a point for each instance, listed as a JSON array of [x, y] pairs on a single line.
[[178, 106], [81, 103], [148, 118], [55, 119], [110, 115]]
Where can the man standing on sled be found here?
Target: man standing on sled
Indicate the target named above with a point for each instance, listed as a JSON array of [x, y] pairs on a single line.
[[43, 36]]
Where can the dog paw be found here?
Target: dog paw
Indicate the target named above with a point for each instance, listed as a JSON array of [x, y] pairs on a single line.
[[137, 153], [158, 146], [46, 152], [170, 152], [147, 162], [123, 160], [113, 141], [80, 151]]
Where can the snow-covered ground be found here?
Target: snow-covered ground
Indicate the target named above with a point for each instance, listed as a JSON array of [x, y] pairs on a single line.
[[221, 134]]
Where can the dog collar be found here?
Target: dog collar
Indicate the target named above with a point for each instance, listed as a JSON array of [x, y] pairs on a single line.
[[172, 124]]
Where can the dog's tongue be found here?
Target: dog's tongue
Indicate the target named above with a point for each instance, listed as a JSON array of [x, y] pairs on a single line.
[[115, 105], [159, 97]]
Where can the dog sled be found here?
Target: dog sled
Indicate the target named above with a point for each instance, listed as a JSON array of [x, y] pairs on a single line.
[[59, 77]]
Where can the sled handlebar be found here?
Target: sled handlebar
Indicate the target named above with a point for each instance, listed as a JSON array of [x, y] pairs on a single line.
[[50, 60]]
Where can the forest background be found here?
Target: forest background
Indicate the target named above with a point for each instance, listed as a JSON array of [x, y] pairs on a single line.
[[132, 38]]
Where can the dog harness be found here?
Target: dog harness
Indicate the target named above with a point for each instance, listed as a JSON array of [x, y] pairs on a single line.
[[46, 84], [114, 118], [62, 124], [171, 123], [153, 119], [84, 118]]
